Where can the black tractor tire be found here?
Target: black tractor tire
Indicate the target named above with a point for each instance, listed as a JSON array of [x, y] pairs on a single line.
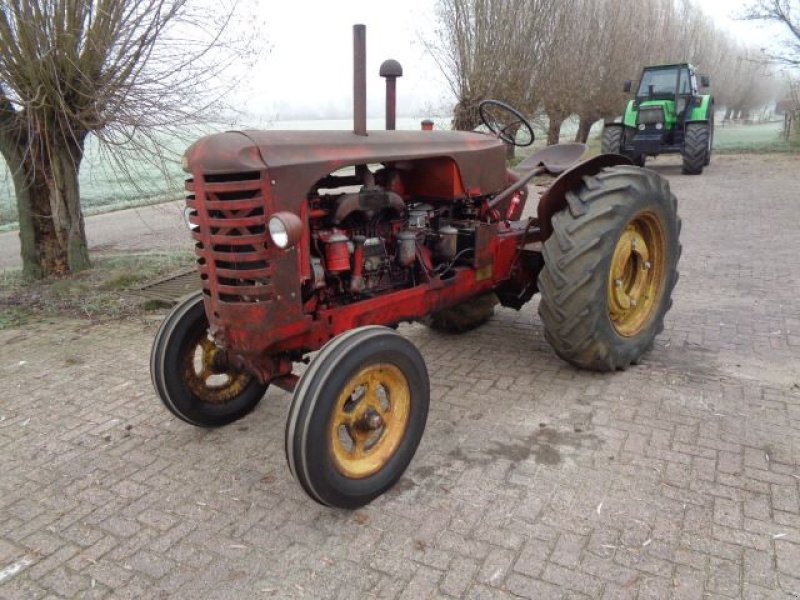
[[696, 148], [578, 279], [347, 441], [463, 317], [612, 139], [711, 140], [182, 377], [613, 134]]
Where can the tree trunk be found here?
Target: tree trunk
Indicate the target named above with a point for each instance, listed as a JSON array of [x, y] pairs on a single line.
[[555, 119], [728, 114], [51, 227], [584, 127], [465, 115]]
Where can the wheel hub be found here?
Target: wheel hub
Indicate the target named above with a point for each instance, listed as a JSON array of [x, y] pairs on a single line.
[[208, 375], [636, 274], [369, 420]]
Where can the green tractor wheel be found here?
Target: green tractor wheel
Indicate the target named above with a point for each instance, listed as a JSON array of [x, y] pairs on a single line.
[[612, 143], [696, 148], [612, 139]]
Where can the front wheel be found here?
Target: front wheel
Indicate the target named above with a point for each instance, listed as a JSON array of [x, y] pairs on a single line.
[[696, 148], [610, 268], [187, 376], [357, 417], [612, 139], [612, 142]]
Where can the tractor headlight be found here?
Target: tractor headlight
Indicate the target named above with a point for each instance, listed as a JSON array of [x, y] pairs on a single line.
[[641, 126], [659, 126], [285, 229]]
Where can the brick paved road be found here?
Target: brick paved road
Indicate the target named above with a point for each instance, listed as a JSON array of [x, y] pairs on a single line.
[[678, 478]]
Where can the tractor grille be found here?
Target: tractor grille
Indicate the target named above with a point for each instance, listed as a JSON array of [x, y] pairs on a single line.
[[228, 221], [650, 116]]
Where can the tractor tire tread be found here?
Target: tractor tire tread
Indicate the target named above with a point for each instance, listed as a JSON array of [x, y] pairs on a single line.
[[574, 274]]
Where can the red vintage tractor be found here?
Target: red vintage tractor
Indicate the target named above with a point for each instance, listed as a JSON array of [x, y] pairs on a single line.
[[324, 241]]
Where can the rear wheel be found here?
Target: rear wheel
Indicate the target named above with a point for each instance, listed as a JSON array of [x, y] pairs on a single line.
[[463, 317], [696, 148], [185, 370], [357, 417], [610, 268]]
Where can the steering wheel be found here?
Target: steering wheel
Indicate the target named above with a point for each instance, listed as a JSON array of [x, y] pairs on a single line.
[[505, 128]]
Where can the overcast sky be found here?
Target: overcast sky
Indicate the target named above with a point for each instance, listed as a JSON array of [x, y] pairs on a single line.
[[308, 71]]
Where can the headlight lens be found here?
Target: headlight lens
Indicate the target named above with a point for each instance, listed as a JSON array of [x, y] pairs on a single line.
[[278, 233], [285, 229]]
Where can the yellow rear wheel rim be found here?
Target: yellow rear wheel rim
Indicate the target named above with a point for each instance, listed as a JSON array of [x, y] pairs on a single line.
[[636, 275], [369, 420]]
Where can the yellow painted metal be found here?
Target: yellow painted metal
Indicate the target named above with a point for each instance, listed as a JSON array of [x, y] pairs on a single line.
[[636, 275], [369, 420], [204, 381]]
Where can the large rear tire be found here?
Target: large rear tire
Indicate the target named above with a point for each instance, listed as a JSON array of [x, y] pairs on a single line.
[[696, 148], [463, 317], [610, 268], [184, 374], [357, 416]]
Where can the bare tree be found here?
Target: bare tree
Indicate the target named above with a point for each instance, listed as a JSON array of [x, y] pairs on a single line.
[[786, 13], [491, 48], [116, 69]]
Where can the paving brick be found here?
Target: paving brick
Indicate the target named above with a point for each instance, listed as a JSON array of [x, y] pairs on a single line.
[[459, 576], [693, 454]]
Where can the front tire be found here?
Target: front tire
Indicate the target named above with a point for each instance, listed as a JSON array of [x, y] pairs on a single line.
[[610, 268], [357, 417], [613, 135], [696, 148], [612, 139], [185, 378]]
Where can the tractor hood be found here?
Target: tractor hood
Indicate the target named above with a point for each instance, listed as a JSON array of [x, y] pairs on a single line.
[[298, 159]]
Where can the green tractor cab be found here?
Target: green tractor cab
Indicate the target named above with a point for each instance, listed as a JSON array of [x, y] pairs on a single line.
[[667, 116]]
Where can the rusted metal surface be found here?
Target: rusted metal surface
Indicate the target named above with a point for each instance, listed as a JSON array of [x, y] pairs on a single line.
[[554, 159], [298, 159], [172, 287], [391, 70], [360, 80], [267, 306]]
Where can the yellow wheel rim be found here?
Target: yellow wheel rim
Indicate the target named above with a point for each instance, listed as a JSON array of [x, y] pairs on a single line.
[[636, 276], [209, 384], [369, 420]]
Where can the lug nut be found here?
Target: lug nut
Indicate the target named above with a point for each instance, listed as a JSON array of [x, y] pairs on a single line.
[[647, 265], [618, 282], [370, 421]]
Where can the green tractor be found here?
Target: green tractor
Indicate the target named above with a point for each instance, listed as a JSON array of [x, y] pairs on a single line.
[[667, 116]]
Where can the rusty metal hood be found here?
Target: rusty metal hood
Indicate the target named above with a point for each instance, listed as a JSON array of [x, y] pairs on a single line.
[[299, 158]]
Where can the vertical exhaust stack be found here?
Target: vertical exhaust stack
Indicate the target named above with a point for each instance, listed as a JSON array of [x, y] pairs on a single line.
[[360, 79], [391, 70]]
